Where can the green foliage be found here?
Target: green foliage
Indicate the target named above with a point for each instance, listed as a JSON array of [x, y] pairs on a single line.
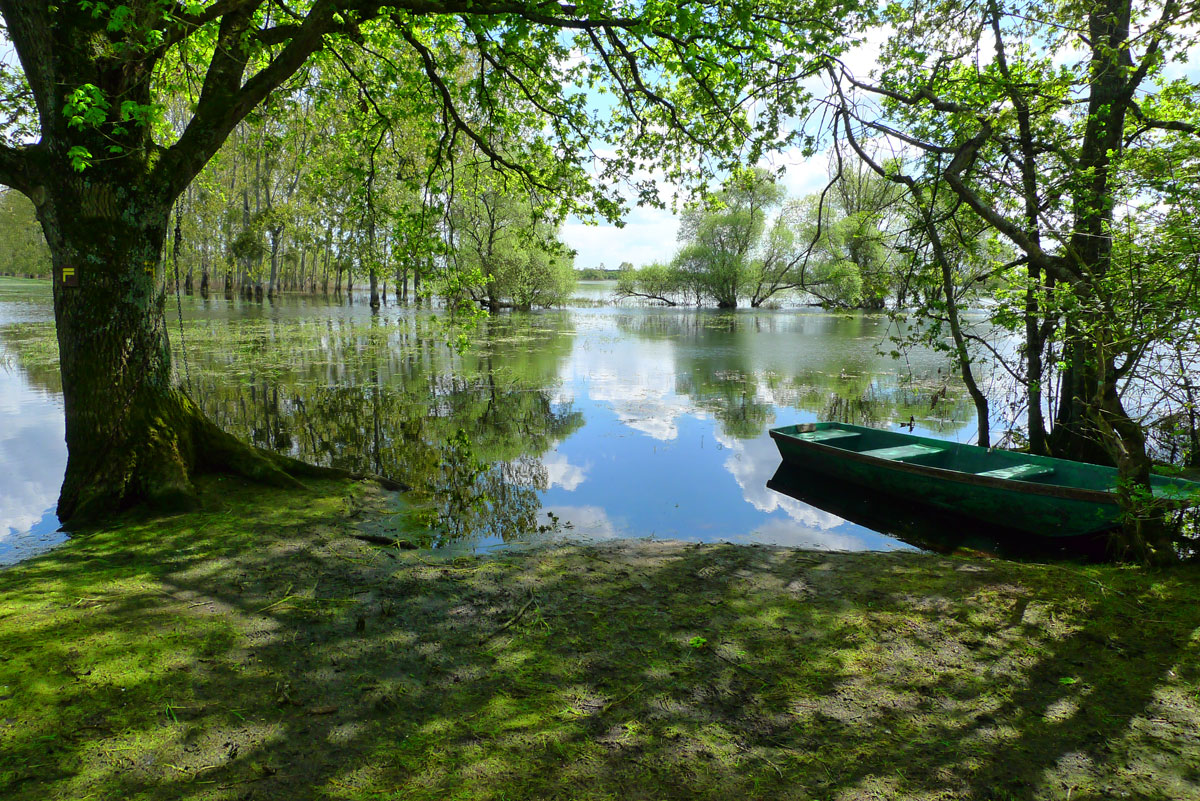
[[720, 235], [850, 231], [503, 248], [825, 270], [602, 273], [86, 105], [23, 249]]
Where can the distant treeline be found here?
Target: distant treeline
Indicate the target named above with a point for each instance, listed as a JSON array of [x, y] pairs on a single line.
[[857, 245], [601, 273]]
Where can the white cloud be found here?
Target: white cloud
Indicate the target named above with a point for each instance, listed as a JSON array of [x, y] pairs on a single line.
[[562, 473], [863, 59], [649, 235], [803, 175]]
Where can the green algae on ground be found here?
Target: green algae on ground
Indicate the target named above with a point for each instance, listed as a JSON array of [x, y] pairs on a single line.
[[257, 650]]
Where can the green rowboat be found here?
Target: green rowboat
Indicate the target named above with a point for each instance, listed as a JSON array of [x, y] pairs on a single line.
[[1036, 495]]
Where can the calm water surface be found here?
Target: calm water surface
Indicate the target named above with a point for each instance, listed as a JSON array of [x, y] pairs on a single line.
[[587, 423]]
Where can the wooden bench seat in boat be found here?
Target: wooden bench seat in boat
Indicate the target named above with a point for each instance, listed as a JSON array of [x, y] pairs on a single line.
[[1020, 472], [825, 434], [902, 452]]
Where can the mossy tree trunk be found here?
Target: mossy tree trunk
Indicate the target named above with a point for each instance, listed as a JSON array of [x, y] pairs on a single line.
[[132, 435]]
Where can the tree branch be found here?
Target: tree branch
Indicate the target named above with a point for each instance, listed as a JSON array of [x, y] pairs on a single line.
[[183, 24], [225, 101], [448, 105], [29, 29], [1165, 125], [963, 156]]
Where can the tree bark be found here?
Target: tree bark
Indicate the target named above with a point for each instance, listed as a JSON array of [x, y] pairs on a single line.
[[1144, 536]]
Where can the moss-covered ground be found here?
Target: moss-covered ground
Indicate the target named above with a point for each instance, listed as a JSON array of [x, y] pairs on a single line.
[[255, 650]]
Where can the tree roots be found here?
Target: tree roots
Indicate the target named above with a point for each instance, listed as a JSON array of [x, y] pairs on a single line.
[[151, 459]]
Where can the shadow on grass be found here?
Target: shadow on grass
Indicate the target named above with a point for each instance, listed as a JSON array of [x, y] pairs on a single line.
[[267, 655]]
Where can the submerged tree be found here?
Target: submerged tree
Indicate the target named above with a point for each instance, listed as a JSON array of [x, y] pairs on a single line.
[[721, 236], [657, 282], [503, 246]]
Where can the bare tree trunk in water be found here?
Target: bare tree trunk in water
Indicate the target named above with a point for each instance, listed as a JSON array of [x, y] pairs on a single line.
[[273, 280], [204, 273]]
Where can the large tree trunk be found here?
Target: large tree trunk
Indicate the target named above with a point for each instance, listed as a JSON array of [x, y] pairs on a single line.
[[1144, 535], [1074, 435], [132, 435]]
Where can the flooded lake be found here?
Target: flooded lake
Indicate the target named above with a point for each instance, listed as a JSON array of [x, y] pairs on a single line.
[[591, 422]]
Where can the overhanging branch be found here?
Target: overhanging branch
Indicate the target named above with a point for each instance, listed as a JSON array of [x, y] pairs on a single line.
[[431, 72], [1165, 125], [225, 100], [28, 26]]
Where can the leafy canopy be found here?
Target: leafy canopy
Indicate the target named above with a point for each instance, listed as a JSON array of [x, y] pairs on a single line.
[[610, 89]]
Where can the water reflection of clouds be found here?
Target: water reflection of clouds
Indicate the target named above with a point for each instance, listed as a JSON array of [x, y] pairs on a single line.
[[561, 473], [635, 378], [752, 462], [786, 532], [586, 522], [32, 446]]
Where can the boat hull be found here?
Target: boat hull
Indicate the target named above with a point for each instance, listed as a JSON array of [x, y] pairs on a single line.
[[927, 527], [1032, 507]]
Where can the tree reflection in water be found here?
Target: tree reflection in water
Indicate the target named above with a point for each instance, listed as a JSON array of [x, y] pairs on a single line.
[[464, 430], [730, 364]]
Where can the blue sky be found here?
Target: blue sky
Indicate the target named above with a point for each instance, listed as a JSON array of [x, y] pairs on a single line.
[[651, 234]]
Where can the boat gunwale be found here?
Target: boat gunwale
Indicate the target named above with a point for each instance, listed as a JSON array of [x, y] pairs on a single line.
[[957, 476]]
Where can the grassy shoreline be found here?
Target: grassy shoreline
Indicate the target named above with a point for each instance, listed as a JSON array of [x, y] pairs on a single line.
[[256, 650]]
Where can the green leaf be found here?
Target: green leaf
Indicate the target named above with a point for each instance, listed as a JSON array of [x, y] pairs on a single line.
[[80, 158]]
